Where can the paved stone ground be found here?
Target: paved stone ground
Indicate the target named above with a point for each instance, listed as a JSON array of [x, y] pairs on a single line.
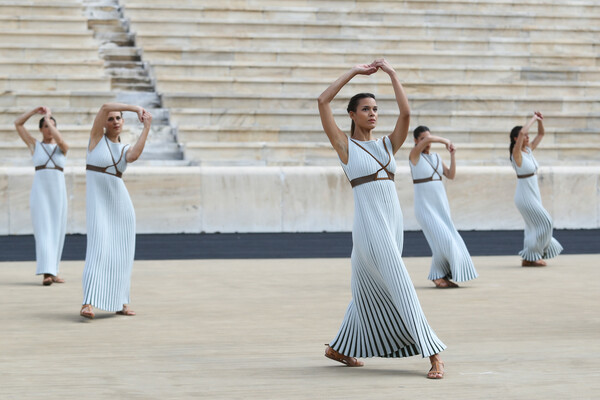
[[255, 329]]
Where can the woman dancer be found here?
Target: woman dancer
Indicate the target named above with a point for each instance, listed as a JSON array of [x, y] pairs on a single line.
[[48, 198], [451, 259], [384, 318], [538, 243], [110, 215]]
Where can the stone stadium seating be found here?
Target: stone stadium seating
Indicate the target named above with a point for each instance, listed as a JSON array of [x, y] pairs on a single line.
[[239, 81], [240, 77]]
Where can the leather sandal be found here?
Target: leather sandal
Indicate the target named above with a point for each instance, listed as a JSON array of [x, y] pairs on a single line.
[[538, 263], [348, 361], [126, 311], [56, 279], [451, 284], [87, 311], [47, 281], [436, 371]]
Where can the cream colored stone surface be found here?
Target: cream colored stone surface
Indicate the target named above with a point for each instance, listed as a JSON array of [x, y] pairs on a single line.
[[254, 329], [5, 205], [301, 199]]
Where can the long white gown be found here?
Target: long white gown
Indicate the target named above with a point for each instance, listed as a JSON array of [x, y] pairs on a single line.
[[538, 241], [110, 229], [384, 317], [450, 257], [48, 204]]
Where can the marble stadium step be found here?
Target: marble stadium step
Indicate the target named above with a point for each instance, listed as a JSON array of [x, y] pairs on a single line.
[[309, 118], [367, 28], [60, 23], [78, 115], [480, 134], [37, 8], [215, 85], [275, 41], [396, 56], [381, 14], [56, 98], [567, 8], [421, 71], [52, 83], [429, 101], [47, 67], [37, 52], [79, 38], [309, 154]]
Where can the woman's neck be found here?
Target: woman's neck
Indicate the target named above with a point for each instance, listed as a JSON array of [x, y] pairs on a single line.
[[361, 135], [48, 141], [112, 138]]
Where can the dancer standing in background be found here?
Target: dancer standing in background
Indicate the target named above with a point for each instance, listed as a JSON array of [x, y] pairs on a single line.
[[384, 317], [110, 214], [538, 243], [450, 257], [48, 198]]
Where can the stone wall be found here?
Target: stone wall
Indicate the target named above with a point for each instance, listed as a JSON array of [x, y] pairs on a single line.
[[301, 199]]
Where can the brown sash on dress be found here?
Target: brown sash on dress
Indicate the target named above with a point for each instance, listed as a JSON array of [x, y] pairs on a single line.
[[118, 174], [373, 177], [525, 176], [435, 172], [45, 166]]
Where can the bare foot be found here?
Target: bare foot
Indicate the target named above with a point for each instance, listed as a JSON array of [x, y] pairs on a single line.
[[57, 279]]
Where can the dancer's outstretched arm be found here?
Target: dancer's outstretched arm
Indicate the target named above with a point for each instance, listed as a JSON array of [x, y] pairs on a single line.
[[336, 136], [398, 136], [98, 128], [416, 151], [450, 173], [541, 131], [60, 142], [23, 132], [135, 151]]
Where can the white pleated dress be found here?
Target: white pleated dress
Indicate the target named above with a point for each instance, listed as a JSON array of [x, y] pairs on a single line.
[[384, 317], [450, 257], [110, 229], [48, 204], [538, 242]]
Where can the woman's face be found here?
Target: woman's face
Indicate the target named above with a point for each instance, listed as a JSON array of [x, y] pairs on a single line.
[[421, 137], [114, 123], [45, 129], [366, 114], [526, 140]]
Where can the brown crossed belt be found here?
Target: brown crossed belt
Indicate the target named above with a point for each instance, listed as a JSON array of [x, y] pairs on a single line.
[[373, 177], [38, 167], [430, 179], [103, 170], [525, 176]]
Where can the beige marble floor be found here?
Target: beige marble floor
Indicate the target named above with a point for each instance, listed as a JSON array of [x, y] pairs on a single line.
[[255, 329]]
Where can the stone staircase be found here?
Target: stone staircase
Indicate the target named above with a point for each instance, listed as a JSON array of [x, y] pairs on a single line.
[[241, 78], [49, 56]]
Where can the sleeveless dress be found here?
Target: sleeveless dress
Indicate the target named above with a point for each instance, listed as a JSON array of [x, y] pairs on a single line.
[[384, 317], [48, 203], [450, 257], [538, 242], [110, 229]]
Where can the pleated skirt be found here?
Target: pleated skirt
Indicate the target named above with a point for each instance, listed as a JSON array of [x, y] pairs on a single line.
[[110, 242], [384, 317], [538, 242], [48, 204], [450, 257]]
